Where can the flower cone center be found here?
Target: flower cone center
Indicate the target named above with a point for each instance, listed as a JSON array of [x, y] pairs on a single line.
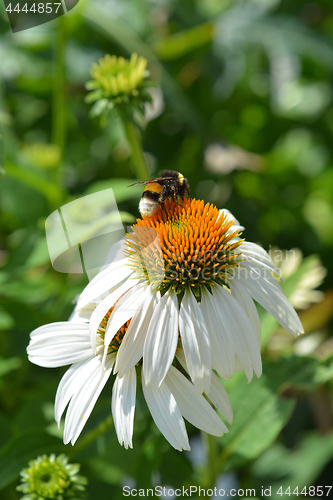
[[185, 245], [116, 341]]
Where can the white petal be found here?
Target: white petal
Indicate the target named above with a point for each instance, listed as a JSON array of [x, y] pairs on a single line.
[[195, 409], [265, 290], [223, 357], [82, 315], [220, 399], [104, 306], [236, 226], [166, 415], [240, 331], [59, 344], [123, 406], [131, 348], [244, 298], [125, 309], [161, 340], [195, 340], [256, 254], [85, 397], [104, 281], [69, 384]]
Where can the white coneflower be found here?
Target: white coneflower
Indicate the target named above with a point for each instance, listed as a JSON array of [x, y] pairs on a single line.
[[187, 274], [182, 289], [289, 262], [82, 343]]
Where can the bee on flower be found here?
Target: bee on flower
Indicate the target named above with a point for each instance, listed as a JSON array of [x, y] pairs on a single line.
[[177, 309]]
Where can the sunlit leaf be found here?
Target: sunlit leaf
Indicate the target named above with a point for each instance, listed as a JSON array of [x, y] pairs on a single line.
[[185, 41], [260, 412], [259, 416]]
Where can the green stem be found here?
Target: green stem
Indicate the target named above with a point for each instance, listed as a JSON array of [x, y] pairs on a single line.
[[59, 98], [139, 162], [101, 429], [212, 468]]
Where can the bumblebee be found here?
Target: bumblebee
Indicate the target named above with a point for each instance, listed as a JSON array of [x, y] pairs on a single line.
[[170, 185]]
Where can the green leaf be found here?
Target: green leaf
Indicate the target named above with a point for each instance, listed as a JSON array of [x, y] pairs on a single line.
[[324, 372], [8, 365], [120, 187], [280, 466], [259, 415], [259, 411], [35, 181], [182, 43], [15, 455], [2, 155], [6, 321]]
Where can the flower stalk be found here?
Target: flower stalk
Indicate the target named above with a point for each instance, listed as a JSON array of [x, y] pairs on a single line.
[[59, 98], [132, 136], [120, 85]]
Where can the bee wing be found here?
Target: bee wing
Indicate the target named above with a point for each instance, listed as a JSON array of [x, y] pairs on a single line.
[[151, 180]]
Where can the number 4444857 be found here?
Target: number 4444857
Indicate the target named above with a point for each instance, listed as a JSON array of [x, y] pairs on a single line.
[[48, 8], [311, 491]]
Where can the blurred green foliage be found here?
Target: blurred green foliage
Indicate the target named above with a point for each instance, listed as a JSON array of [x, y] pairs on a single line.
[[243, 108]]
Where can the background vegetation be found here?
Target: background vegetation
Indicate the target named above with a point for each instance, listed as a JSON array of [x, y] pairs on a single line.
[[243, 108]]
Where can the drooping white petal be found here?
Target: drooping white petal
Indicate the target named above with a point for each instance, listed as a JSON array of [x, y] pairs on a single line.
[[85, 397], [256, 254], [166, 415], [69, 385], [265, 290], [123, 406], [59, 344], [127, 306], [104, 306], [242, 295], [240, 332], [220, 399], [195, 409], [161, 340], [83, 315], [223, 357], [104, 281], [195, 340], [131, 348]]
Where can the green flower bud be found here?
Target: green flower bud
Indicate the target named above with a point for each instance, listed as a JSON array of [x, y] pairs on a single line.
[[51, 478], [119, 82]]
